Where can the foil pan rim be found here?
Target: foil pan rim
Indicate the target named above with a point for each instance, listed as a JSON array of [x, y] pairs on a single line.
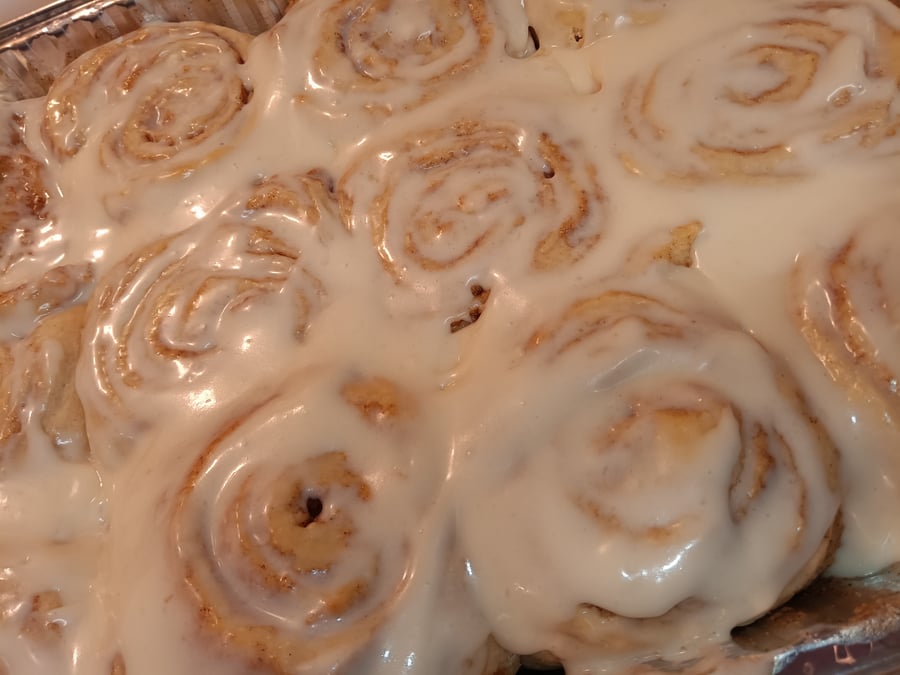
[[35, 48], [18, 30]]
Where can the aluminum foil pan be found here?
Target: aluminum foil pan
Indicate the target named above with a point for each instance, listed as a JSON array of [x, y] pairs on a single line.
[[36, 48], [836, 626]]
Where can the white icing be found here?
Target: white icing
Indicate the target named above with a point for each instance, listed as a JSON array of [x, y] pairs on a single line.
[[221, 335]]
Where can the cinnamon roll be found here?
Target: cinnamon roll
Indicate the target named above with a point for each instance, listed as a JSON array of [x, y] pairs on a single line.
[[387, 56], [651, 453], [38, 380], [188, 319], [848, 309], [390, 340], [297, 554], [24, 195], [845, 304], [158, 102], [50, 490], [770, 97], [31, 243], [441, 204]]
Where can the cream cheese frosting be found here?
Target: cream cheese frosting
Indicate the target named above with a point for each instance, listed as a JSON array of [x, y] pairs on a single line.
[[414, 337]]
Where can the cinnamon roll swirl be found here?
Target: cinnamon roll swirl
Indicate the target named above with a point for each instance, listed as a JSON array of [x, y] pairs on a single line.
[[848, 309], [441, 204], [188, 319], [768, 98], [307, 198], [160, 101], [385, 56], [292, 528], [651, 454]]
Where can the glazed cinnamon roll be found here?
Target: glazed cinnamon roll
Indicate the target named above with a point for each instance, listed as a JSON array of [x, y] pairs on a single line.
[[24, 195], [770, 97], [160, 101], [848, 309], [292, 528], [188, 319], [651, 454], [38, 380], [441, 205], [387, 56], [51, 492], [31, 243]]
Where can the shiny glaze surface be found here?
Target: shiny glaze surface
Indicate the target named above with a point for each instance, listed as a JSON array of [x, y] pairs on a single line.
[[403, 339]]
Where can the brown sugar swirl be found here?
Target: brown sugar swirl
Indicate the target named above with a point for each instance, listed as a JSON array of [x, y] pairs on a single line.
[[845, 302], [442, 203], [291, 529], [644, 467], [386, 56], [160, 101], [770, 98], [183, 313], [847, 305]]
